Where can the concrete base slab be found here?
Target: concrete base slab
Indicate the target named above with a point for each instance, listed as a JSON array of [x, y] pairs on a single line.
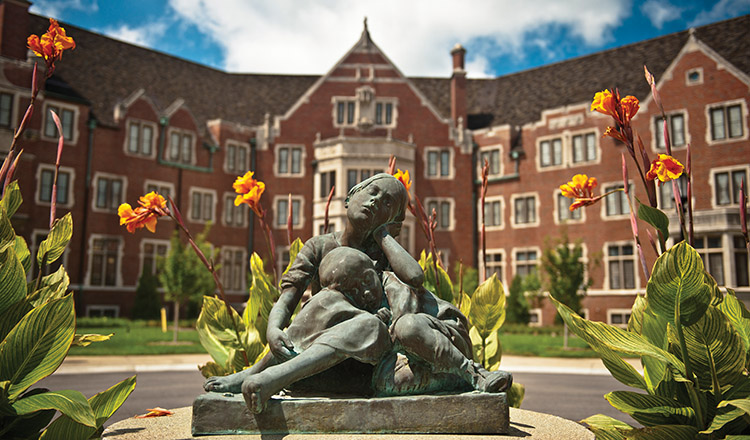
[[468, 413], [524, 425]]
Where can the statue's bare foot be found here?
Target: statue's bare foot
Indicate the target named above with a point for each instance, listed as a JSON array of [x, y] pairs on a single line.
[[256, 395], [225, 384], [494, 382]]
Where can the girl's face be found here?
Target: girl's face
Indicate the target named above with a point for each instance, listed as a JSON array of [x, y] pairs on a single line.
[[376, 204]]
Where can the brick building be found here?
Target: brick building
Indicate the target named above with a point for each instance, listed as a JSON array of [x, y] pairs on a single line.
[[137, 120]]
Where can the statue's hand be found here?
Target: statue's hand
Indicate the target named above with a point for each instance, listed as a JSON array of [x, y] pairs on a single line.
[[384, 315], [392, 229], [280, 344]]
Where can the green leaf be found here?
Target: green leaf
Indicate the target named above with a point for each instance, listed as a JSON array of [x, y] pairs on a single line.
[[57, 240], [488, 354], [443, 288], [37, 345], [654, 329], [738, 316], [607, 428], [12, 279], [723, 417], [12, 198], [654, 217], [12, 316], [487, 312], [651, 410], [213, 369], [69, 402], [294, 249], [679, 286], [516, 393], [22, 251], [53, 286], [635, 323], [215, 329], [84, 340], [263, 294], [103, 404], [7, 235], [664, 432], [743, 404], [465, 304]]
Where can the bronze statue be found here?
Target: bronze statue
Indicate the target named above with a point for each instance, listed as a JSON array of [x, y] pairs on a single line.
[[372, 310]]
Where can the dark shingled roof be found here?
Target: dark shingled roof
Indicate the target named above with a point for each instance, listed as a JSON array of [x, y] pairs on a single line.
[[105, 71]]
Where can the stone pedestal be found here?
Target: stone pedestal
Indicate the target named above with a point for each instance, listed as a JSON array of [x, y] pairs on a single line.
[[468, 413]]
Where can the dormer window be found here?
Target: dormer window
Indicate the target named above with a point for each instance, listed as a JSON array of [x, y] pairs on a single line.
[[383, 113], [364, 111], [345, 112]]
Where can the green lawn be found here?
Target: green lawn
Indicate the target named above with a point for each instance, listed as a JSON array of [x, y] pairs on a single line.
[[544, 345], [138, 339]]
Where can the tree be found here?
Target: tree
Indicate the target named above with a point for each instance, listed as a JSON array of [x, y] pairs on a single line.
[[517, 308], [183, 276], [470, 279], [147, 303]]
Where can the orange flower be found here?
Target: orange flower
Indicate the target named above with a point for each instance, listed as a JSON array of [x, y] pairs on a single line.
[[155, 412], [52, 44], [604, 102], [629, 106], [615, 134], [622, 110], [403, 176], [665, 167], [249, 191], [152, 207], [580, 188]]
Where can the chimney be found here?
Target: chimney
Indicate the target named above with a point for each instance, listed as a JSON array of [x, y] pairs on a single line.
[[458, 85], [14, 28]]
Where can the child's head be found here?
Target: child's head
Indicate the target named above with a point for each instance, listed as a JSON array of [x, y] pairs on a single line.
[[376, 201], [352, 273]]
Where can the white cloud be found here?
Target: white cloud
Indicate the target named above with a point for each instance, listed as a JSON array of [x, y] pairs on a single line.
[[57, 8], [660, 12], [288, 36], [147, 35], [721, 10]]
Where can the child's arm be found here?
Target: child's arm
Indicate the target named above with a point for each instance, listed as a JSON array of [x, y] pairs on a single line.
[[403, 265]]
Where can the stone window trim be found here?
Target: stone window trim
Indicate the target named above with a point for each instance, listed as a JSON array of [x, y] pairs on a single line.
[[618, 317], [154, 137], [238, 168], [656, 119], [535, 319], [228, 200], [149, 184], [203, 192], [712, 184], [142, 252], [514, 261], [636, 266], [331, 177], [333, 225], [451, 163], [61, 106], [94, 184], [118, 268], [691, 73], [295, 198], [490, 149], [606, 187], [665, 194], [568, 146], [531, 224], [502, 264], [182, 133], [451, 211], [394, 112], [71, 181], [232, 252], [12, 111], [550, 140], [350, 114], [289, 173], [556, 214], [488, 200], [743, 118]]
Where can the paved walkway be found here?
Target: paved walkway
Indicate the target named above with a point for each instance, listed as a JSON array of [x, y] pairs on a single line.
[[189, 362]]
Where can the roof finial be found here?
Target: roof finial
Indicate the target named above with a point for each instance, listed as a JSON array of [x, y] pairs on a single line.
[[366, 24]]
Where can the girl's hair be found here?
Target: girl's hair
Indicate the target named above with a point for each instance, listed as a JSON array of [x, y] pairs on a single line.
[[400, 198]]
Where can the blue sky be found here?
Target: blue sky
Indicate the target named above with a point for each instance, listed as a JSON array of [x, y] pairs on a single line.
[[308, 37]]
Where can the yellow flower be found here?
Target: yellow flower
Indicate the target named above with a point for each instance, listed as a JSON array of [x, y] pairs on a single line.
[[580, 188], [604, 102], [403, 176], [249, 191], [665, 168], [152, 207], [52, 44], [622, 110]]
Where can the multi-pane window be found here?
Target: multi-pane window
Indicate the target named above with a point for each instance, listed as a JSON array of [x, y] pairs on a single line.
[[282, 212], [353, 177], [164, 189], [727, 186], [201, 205], [384, 113], [180, 147], [6, 109], [442, 209], [676, 127], [617, 202], [345, 112], [236, 158], [524, 210], [67, 117], [621, 266], [154, 253], [233, 215], [584, 147], [618, 318], [493, 213], [726, 122], [109, 192], [741, 267], [494, 265], [492, 157], [563, 209], [327, 182], [666, 193], [104, 261], [140, 138], [46, 177], [710, 250], [439, 163], [526, 262], [289, 160], [233, 272], [550, 152]]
